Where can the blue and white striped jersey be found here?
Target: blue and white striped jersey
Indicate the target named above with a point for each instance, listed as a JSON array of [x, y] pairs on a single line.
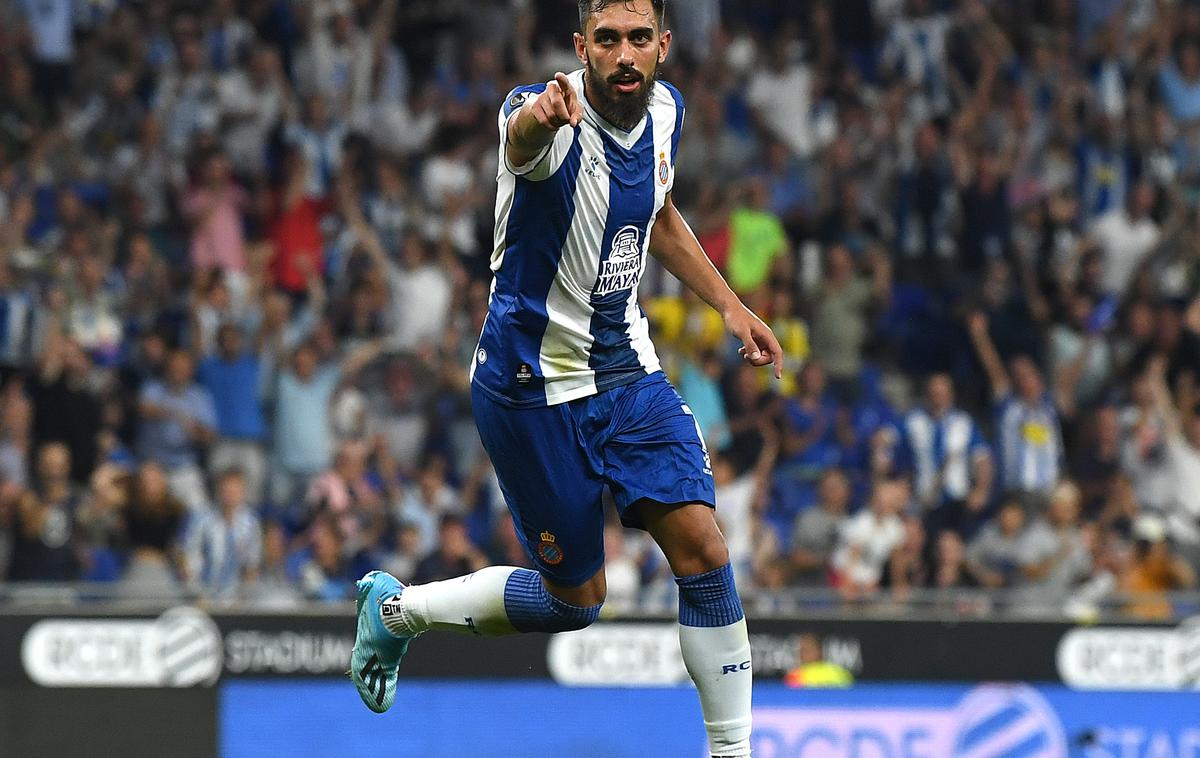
[[1030, 445], [572, 234], [942, 453]]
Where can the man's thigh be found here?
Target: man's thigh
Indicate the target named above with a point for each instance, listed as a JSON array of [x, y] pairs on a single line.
[[653, 449], [551, 486]]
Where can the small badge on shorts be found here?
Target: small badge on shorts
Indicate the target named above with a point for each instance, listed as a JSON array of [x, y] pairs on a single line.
[[548, 550], [524, 373]]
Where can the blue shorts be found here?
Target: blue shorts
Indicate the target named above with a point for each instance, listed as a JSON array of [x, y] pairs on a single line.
[[553, 463]]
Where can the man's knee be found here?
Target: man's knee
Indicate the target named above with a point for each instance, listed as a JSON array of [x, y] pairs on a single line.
[[538, 605], [577, 608], [571, 618], [700, 552], [592, 592]]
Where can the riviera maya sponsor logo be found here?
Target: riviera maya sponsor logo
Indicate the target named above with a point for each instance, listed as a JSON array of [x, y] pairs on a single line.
[[623, 266], [180, 648]]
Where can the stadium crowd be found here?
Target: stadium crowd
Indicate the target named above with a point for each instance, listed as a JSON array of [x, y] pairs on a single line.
[[244, 258]]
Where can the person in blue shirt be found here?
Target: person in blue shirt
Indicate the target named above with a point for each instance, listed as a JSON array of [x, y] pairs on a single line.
[[811, 422], [178, 420], [231, 376]]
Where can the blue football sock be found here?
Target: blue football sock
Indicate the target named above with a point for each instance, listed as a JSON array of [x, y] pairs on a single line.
[[531, 608]]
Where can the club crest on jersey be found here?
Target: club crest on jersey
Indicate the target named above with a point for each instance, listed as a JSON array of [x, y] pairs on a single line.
[[664, 170], [623, 267], [518, 99]]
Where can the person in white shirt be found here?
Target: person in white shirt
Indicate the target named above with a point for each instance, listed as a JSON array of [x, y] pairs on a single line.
[[1125, 237], [780, 95], [252, 102], [869, 539], [1182, 448]]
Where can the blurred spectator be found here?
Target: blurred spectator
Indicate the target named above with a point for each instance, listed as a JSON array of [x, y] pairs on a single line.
[[232, 378], [272, 586], [949, 569], [321, 567], [186, 97], [700, 387], [994, 555], [1124, 237], [52, 25], [223, 545], [780, 94], [868, 541], [1028, 436], [812, 670], [152, 518], [45, 544], [1182, 453], [419, 291], [742, 500], [66, 409], [253, 102], [840, 317], [1055, 553], [303, 439], [454, 556], [295, 230], [16, 423], [1097, 459], [1153, 570], [621, 572], [317, 142], [423, 505], [817, 530], [213, 206], [810, 421], [950, 460], [344, 493], [757, 241], [179, 421], [908, 566]]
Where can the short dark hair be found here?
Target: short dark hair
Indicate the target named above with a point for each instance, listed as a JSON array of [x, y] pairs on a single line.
[[588, 7]]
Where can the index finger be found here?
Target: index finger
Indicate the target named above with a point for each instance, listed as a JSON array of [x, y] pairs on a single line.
[[574, 113], [564, 84], [776, 356]]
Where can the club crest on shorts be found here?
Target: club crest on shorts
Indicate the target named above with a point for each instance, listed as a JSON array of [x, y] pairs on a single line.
[[548, 550], [664, 170]]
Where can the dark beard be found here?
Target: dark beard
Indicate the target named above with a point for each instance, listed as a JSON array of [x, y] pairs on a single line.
[[620, 110]]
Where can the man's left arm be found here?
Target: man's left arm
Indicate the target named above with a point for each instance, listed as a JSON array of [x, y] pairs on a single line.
[[674, 244]]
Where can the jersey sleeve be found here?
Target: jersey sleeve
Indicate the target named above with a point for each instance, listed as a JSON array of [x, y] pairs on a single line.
[[543, 165], [677, 133]]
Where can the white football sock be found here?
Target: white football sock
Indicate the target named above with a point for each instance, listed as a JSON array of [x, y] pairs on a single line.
[[718, 660], [473, 603]]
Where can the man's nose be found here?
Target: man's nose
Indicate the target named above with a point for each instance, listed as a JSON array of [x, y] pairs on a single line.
[[625, 55]]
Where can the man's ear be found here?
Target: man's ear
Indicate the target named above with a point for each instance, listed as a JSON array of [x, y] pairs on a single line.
[[664, 46], [581, 48]]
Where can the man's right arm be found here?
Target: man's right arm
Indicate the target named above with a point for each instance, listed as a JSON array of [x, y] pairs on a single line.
[[532, 128]]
